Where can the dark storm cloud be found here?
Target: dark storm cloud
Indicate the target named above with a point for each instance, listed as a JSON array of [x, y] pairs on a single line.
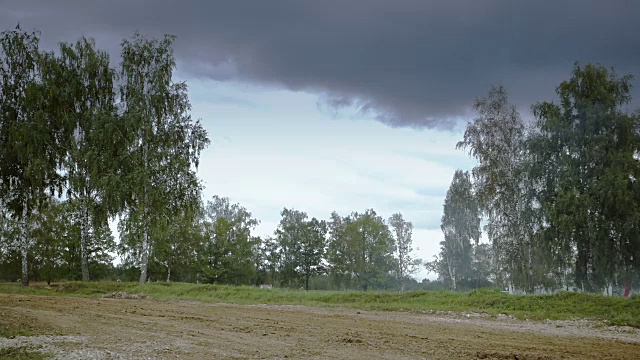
[[409, 63]]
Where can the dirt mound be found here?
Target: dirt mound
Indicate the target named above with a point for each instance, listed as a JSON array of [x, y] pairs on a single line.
[[124, 295]]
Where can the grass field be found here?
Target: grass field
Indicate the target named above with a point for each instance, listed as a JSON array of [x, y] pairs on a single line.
[[562, 306]]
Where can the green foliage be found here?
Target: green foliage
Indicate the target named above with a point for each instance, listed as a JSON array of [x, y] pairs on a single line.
[[268, 260], [57, 250], [163, 146], [61, 126], [586, 150], [301, 243], [561, 198], [227, 252], [87, 104], [361, 249], [406, 263], [503, 187], [461, 228], [176, 247], [31, 136], [482, 268]]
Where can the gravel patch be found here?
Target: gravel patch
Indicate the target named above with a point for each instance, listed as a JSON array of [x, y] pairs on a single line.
[[55, 345]]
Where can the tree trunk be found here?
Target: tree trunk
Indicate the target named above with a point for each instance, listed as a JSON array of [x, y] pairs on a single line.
[[306, 282], [453, 279], [400, 270], [144, 261], [531, 280], [84, 239], [24, 246], [145, 257], [452, 275], [25, 263], [168, 272]]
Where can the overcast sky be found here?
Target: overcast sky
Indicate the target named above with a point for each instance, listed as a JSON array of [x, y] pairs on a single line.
[[347, 105]]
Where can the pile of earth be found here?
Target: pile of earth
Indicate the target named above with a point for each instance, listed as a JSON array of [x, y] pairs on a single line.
[[123, 295]]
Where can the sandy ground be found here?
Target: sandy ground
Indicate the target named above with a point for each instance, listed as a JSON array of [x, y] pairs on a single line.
[[149, 329]]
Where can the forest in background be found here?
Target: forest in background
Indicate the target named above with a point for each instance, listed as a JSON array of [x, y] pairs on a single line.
[[83, 142]]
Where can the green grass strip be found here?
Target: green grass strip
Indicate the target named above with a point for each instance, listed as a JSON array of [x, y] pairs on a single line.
[[561, 306]]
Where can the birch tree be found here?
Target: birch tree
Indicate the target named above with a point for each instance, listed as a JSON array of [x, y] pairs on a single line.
[[89, 108], [406, 263], [588, 146], [165, 142], [461, 228], [30, 137], [496, 139]]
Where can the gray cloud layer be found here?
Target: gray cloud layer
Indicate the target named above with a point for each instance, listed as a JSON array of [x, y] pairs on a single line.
[[411, 63]]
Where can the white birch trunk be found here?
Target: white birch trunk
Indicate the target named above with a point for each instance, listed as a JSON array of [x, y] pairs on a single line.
[[144, 261], [24, 246], [25, 263], [452, 275], [84, 239]]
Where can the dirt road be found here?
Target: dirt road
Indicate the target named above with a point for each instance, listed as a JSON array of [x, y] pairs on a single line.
[[112, 328]]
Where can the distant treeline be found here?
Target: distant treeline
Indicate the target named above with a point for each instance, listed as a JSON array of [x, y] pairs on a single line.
[[216, 245]]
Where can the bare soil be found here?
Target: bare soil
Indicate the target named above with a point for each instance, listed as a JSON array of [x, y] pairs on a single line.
[[113, 328]]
